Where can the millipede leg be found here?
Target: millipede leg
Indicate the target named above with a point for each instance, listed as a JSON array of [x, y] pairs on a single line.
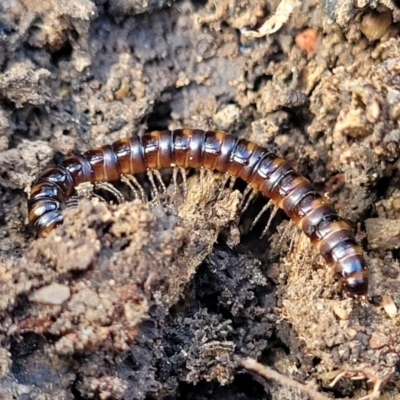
[[248, 196], [259, 215], [175, 171], [292, 240], [135, 192], [72, 202], [100, 198], [86, 190], [108, 187], [209, 174], [155, 193], [184, 182], [158, 176], [232, 182], [201, 180], [244, 195], [205, 178], [271, 217], [287, 228], [134, 186], [227, 178]]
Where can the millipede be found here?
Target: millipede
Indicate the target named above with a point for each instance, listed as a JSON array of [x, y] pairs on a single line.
[[183, 149]]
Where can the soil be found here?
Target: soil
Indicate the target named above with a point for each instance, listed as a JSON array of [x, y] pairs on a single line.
[[144, 301]]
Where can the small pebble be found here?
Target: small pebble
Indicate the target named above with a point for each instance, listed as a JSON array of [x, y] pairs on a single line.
[[374, 25], [307, 40], [389, 306], [53, 294]]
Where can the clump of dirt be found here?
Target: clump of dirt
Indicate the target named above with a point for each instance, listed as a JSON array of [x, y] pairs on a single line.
[[362, 338], [361, 102]]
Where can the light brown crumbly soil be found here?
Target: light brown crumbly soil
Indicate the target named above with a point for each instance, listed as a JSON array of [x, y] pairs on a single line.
[[136, 301]]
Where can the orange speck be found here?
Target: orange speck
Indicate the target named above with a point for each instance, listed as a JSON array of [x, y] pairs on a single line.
[[307, 40]]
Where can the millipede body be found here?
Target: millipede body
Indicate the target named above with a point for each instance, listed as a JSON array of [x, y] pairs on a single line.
[[272, 176]]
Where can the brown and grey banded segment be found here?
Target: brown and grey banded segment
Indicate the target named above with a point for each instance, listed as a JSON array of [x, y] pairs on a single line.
[[208, 150]]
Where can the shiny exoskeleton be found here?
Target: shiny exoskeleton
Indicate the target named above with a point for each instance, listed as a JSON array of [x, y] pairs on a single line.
[[193, 148]]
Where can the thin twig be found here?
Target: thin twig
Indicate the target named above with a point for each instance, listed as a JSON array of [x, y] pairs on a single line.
[[268, 373]]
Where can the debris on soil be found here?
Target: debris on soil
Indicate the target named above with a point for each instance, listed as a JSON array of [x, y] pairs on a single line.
[[268, 373], [274, 23], [382, 233], [345, 11], [23, 83]]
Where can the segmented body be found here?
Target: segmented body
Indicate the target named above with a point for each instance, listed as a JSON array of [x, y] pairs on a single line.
[[193, 148]]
